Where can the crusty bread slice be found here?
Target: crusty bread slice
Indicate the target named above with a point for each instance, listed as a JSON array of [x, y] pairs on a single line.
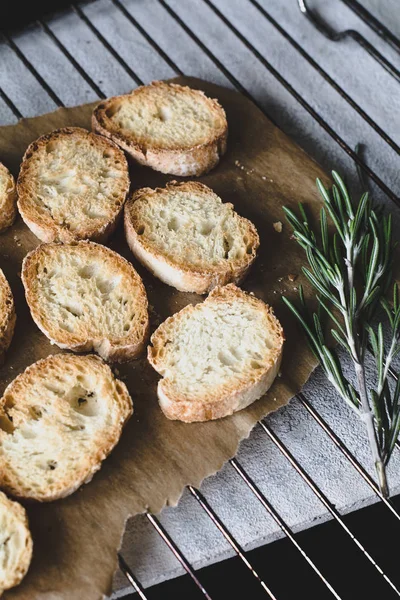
[[72, 185], [84, 296], [216, 357], [59, 420], [15, 543], [186, 236], [7, 316], [165, 126], [8, 198]]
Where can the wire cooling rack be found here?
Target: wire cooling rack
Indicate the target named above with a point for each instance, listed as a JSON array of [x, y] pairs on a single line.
[[127, 9]]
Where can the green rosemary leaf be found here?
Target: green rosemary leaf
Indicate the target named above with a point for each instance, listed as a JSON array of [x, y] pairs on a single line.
[[329, 207], [343, 190], [303, 215], [323, 191], [374, 294], [332, 366], [373, 260], [318, 329], [396, 320], [353, 395], [313, 341], [337, 252], [320, 287], [365, 254], [331, 315], [341, 209], [387, 224], [340, 340], [324, 232], [292, 218], [385, 305], [359, 219], [373, 341], [379, 361]]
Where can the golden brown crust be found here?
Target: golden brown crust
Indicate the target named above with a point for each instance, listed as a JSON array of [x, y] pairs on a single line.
[[7, 316], [183, 161], [44, 373], [176, 271], [39, 220], [214, 405], [113, 349], [15, 513], [8, 199]]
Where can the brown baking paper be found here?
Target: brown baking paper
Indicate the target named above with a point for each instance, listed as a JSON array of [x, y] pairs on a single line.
[[76, 539]]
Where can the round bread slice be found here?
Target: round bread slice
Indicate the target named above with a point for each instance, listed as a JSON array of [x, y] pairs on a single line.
[[165, 126], [187, 237], [85, 297], [72, 186], [8, 198], [59, 420], [7, 316], [216, 357], [15, 543]]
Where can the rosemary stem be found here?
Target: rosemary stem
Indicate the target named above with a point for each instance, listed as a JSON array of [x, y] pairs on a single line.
[[368, 419], [365, 409]]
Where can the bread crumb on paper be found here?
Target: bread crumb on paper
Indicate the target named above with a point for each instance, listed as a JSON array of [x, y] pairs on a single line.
[[277, 226]]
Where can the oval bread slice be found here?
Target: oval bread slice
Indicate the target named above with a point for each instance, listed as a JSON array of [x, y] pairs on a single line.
[[7, 316], [15, 543], [84, 297], [187, 237], [72, 185], [216, 357], [165, 126], [59, 420], [8, 198]]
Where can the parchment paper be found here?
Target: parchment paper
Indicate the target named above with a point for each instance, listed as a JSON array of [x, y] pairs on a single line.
[[76, 539]]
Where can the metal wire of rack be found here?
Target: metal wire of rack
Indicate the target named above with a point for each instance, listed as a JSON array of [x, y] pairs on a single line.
[[334, 36], [374, 23], [340, 445]]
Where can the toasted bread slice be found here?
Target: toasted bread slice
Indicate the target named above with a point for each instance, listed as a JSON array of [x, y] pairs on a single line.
[[216, 357], [15, 543], [187, 237], [7, 316], [59, 420], [168, 127], [84, 297], [72, 186], [8, 198]]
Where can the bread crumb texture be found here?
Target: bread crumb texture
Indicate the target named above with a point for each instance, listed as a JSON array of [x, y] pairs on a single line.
[[15, 543], [85, 297], [216, 357], [7, 315], [169, 127], [8, 198], [72, 185], [58, 421], [188, 237]]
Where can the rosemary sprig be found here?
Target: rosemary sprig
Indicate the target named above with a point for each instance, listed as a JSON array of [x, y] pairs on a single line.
[[351, 271]]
